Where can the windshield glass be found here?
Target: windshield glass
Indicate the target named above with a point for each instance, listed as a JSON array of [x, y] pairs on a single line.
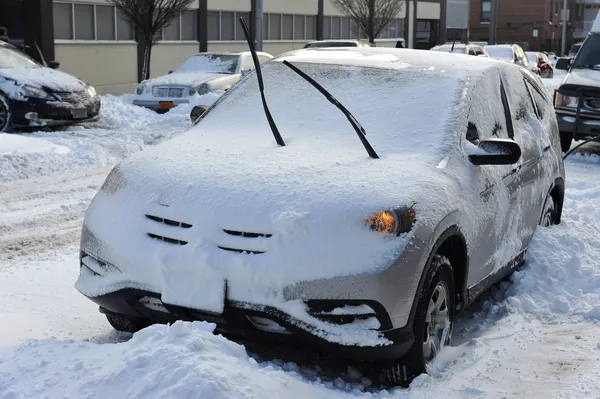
[[503, 53], [10, 58], [589, 54], [386, 102], [218, 63]]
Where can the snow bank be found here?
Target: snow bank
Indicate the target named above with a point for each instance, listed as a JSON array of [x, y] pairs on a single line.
[[122, 129], [182, 361]]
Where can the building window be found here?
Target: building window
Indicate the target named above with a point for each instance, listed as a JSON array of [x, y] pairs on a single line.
[[181, 28], [486, 11], [90, 22]]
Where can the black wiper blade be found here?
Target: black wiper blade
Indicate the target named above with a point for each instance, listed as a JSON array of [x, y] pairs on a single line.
[[357, 127], [261, 86]]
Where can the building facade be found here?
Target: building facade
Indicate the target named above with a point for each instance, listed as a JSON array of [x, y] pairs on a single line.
[[92, 40], [534, 24]]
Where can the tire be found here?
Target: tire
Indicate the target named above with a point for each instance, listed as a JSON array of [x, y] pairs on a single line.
[[566, 139], [5, 119], [124, 324], [424, 348], [548, 213]]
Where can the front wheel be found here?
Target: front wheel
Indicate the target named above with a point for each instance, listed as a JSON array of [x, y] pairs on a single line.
[[432, 326], [549, 213], [124, 324], [5, 116]]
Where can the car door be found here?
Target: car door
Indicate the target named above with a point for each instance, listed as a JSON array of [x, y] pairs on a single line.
[[529, 186], [487, 119]]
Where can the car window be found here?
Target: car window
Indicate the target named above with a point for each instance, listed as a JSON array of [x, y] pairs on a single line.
[[486, 117], [519, 98], [472, 51], [219, 63], [10, 58], [541, 102]]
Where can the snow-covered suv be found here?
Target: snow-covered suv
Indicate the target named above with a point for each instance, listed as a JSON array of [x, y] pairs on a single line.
[[364, 247]]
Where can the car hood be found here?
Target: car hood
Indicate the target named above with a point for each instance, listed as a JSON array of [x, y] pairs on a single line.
[[582, 77], [185, 78], [44, 77]]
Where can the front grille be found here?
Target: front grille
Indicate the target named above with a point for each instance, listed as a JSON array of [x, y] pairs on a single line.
[[592, 102], [242, 251], [168, 222], [244, 234], [72, 97], [176, 92]]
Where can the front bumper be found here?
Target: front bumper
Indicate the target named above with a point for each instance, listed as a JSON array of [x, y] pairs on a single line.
[[163, 105], [238, 323], [35, 112], [579, 125]]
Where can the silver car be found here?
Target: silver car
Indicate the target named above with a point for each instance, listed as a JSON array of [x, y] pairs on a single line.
[[382, 193], [199, 75]]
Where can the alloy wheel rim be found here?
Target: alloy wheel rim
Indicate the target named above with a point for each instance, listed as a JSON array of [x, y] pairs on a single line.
[[437, 323]]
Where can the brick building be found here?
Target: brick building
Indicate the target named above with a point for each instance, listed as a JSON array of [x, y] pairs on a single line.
[[534, 24]]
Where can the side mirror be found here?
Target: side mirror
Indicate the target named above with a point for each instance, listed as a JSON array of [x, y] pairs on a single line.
[[197, 112], [53, 64], [496, 152], [170, 72], [563, 63], [246, 71]]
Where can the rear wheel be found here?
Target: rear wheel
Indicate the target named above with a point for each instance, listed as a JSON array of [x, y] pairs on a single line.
[[124, 324], [566, 139], [432, 326], [4, 115]]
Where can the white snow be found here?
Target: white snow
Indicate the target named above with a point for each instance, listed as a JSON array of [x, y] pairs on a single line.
[[519, 342], [46, 77], [183, 78]]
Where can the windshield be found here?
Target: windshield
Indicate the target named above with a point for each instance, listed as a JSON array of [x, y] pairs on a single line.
[[531, 57], [589, 54], [446, 49], [10, 58], [503, 53], [218, 63], [331, 44], [386, 103]]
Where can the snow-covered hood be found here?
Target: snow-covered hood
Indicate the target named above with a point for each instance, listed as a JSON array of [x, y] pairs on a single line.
[[582, 77], [43, 77], [185, 78]]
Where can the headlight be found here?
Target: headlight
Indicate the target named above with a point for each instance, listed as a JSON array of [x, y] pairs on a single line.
[[565, 101], [140, 90], [36, 92], [114, 181], [200, 90], [91, 91], [393, 222]]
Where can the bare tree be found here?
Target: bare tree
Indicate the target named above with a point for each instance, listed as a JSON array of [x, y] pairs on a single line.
[[371, 16], [149, 17]]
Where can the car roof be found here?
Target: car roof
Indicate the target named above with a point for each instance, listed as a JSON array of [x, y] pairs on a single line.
[[338, 41], [393, 58], [232, 53]]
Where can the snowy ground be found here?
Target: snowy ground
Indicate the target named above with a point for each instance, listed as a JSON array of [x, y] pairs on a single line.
[[537, 336]]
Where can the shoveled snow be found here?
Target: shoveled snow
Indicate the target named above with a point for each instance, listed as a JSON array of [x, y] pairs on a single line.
[[122, 130], [520, 341]]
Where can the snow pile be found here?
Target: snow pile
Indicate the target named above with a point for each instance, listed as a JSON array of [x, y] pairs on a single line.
[[122, 129], [182, 361]]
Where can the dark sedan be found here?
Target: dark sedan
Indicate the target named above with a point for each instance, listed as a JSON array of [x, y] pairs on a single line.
[[32, 95]]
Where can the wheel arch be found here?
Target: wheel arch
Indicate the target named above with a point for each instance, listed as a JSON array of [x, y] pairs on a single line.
[[557, 191]]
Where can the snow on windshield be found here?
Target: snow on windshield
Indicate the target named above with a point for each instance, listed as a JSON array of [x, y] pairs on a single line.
[[10, 58], [403, 111], [223, 63], [503, 53]]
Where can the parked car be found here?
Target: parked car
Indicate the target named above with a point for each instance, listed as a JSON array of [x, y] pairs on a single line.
[[32, 95], [293, 230], [577, 100], [201, 74], [512, 53], [461, 48], [337, 43], [540, 64]]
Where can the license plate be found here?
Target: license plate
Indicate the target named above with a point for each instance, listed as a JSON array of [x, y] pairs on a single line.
[[79, 113], [165, 105]]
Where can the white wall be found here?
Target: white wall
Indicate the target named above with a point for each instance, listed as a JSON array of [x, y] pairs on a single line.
[[110, 68], [308, 7]]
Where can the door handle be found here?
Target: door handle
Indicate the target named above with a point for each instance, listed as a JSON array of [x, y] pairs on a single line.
[[516, 169], [546, 149]]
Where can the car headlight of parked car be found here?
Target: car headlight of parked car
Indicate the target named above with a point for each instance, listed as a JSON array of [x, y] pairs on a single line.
[[91, 91], [563, 100], [36, 92], [200, 90], [140, 90], [393, 222]]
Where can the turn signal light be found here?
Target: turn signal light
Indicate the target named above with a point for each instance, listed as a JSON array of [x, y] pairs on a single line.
[[393, 222]]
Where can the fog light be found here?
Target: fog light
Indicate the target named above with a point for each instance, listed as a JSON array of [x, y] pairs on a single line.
[[32, 116]]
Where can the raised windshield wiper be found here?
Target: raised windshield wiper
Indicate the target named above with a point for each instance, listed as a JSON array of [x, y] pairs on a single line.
[[357, 127], [261, 86]]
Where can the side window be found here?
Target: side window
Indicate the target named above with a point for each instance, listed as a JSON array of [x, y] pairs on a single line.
[[507, 112], [472, 51], [486, 118], [541, 102]]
